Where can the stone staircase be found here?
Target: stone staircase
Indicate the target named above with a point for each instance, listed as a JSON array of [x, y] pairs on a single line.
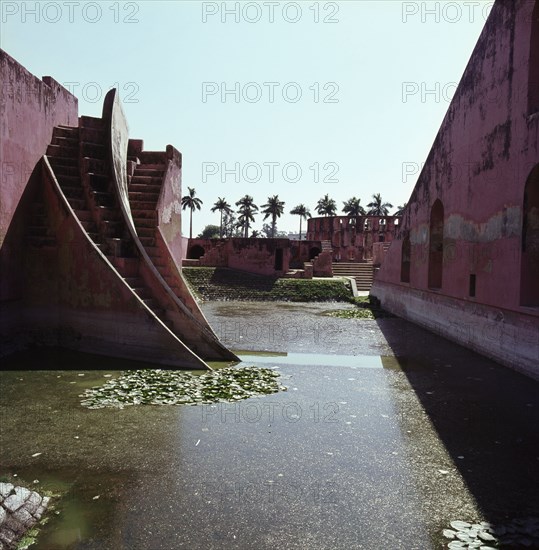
[[144, 188], [363, 273], [79, 159]]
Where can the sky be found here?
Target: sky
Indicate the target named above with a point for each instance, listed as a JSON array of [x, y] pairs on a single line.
[[295, 99]]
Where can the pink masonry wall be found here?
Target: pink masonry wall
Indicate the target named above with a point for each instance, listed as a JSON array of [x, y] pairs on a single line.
[[478, 166], [30, 108], [252, 255]]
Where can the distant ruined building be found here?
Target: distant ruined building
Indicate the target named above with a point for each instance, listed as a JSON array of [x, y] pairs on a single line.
[[465, 263], [90, 233]]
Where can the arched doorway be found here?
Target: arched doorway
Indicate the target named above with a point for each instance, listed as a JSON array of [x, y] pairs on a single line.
[[529, 262], [195, 252], [436, 245]]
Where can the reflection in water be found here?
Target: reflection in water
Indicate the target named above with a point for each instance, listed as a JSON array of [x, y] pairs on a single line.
[[318, 360]]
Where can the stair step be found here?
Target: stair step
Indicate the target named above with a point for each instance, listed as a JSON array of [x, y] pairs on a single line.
[[149, 172], [151, 166], [62, 151], [145, 196], [144, 213], [94, 165], [94, 150], [91, 122], [153, 157], [103, 198], [61, 170], [146, 180], [146, 232], [144, 188], [112, 228], [142, 205], [98, 182], [63, 161], [93, 135], [71, 141], [66, 131], [108, 213]]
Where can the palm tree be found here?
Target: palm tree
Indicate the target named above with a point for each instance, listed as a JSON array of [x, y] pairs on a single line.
[[353, 208], [247, 209], [244, 219], [326, 206], [378, 207], [400, 209], [191, 202], [303, 212], [274, 208], [223, 207]]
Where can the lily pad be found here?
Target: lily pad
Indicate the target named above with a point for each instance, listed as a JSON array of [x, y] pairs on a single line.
[[167, 387], [460, 525]]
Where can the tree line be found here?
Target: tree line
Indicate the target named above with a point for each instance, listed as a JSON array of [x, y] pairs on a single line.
[[236, 223]]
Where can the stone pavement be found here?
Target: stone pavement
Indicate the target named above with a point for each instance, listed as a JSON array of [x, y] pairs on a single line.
[[20, 510]]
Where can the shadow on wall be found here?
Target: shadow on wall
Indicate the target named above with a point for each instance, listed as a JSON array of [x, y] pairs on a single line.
[[529, 275], [485, 415]]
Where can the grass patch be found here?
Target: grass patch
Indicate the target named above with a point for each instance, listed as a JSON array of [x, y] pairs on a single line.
[[210, 283], [165, 387]]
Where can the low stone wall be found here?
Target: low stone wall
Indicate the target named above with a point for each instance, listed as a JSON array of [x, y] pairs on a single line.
[[20, 510], [503, 335]]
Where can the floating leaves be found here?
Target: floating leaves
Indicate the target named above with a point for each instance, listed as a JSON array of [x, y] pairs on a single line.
[[169, 387], [518, 533], [351, 314]]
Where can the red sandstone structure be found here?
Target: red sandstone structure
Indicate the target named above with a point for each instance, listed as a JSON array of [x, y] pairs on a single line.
[[90, 233], [335, 246], [466, 261], [352, 238]]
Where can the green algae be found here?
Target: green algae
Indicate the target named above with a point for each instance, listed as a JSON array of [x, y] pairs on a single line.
[[166, 387]]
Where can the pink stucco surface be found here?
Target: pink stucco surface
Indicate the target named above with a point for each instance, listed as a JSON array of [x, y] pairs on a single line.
[[252, 255], [30, 108], [169, 205], [478, 167]]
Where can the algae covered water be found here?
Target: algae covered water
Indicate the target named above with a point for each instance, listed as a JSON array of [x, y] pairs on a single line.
[[385, 435]]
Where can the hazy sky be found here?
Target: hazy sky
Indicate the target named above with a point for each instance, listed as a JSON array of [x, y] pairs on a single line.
[[297, 99]]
